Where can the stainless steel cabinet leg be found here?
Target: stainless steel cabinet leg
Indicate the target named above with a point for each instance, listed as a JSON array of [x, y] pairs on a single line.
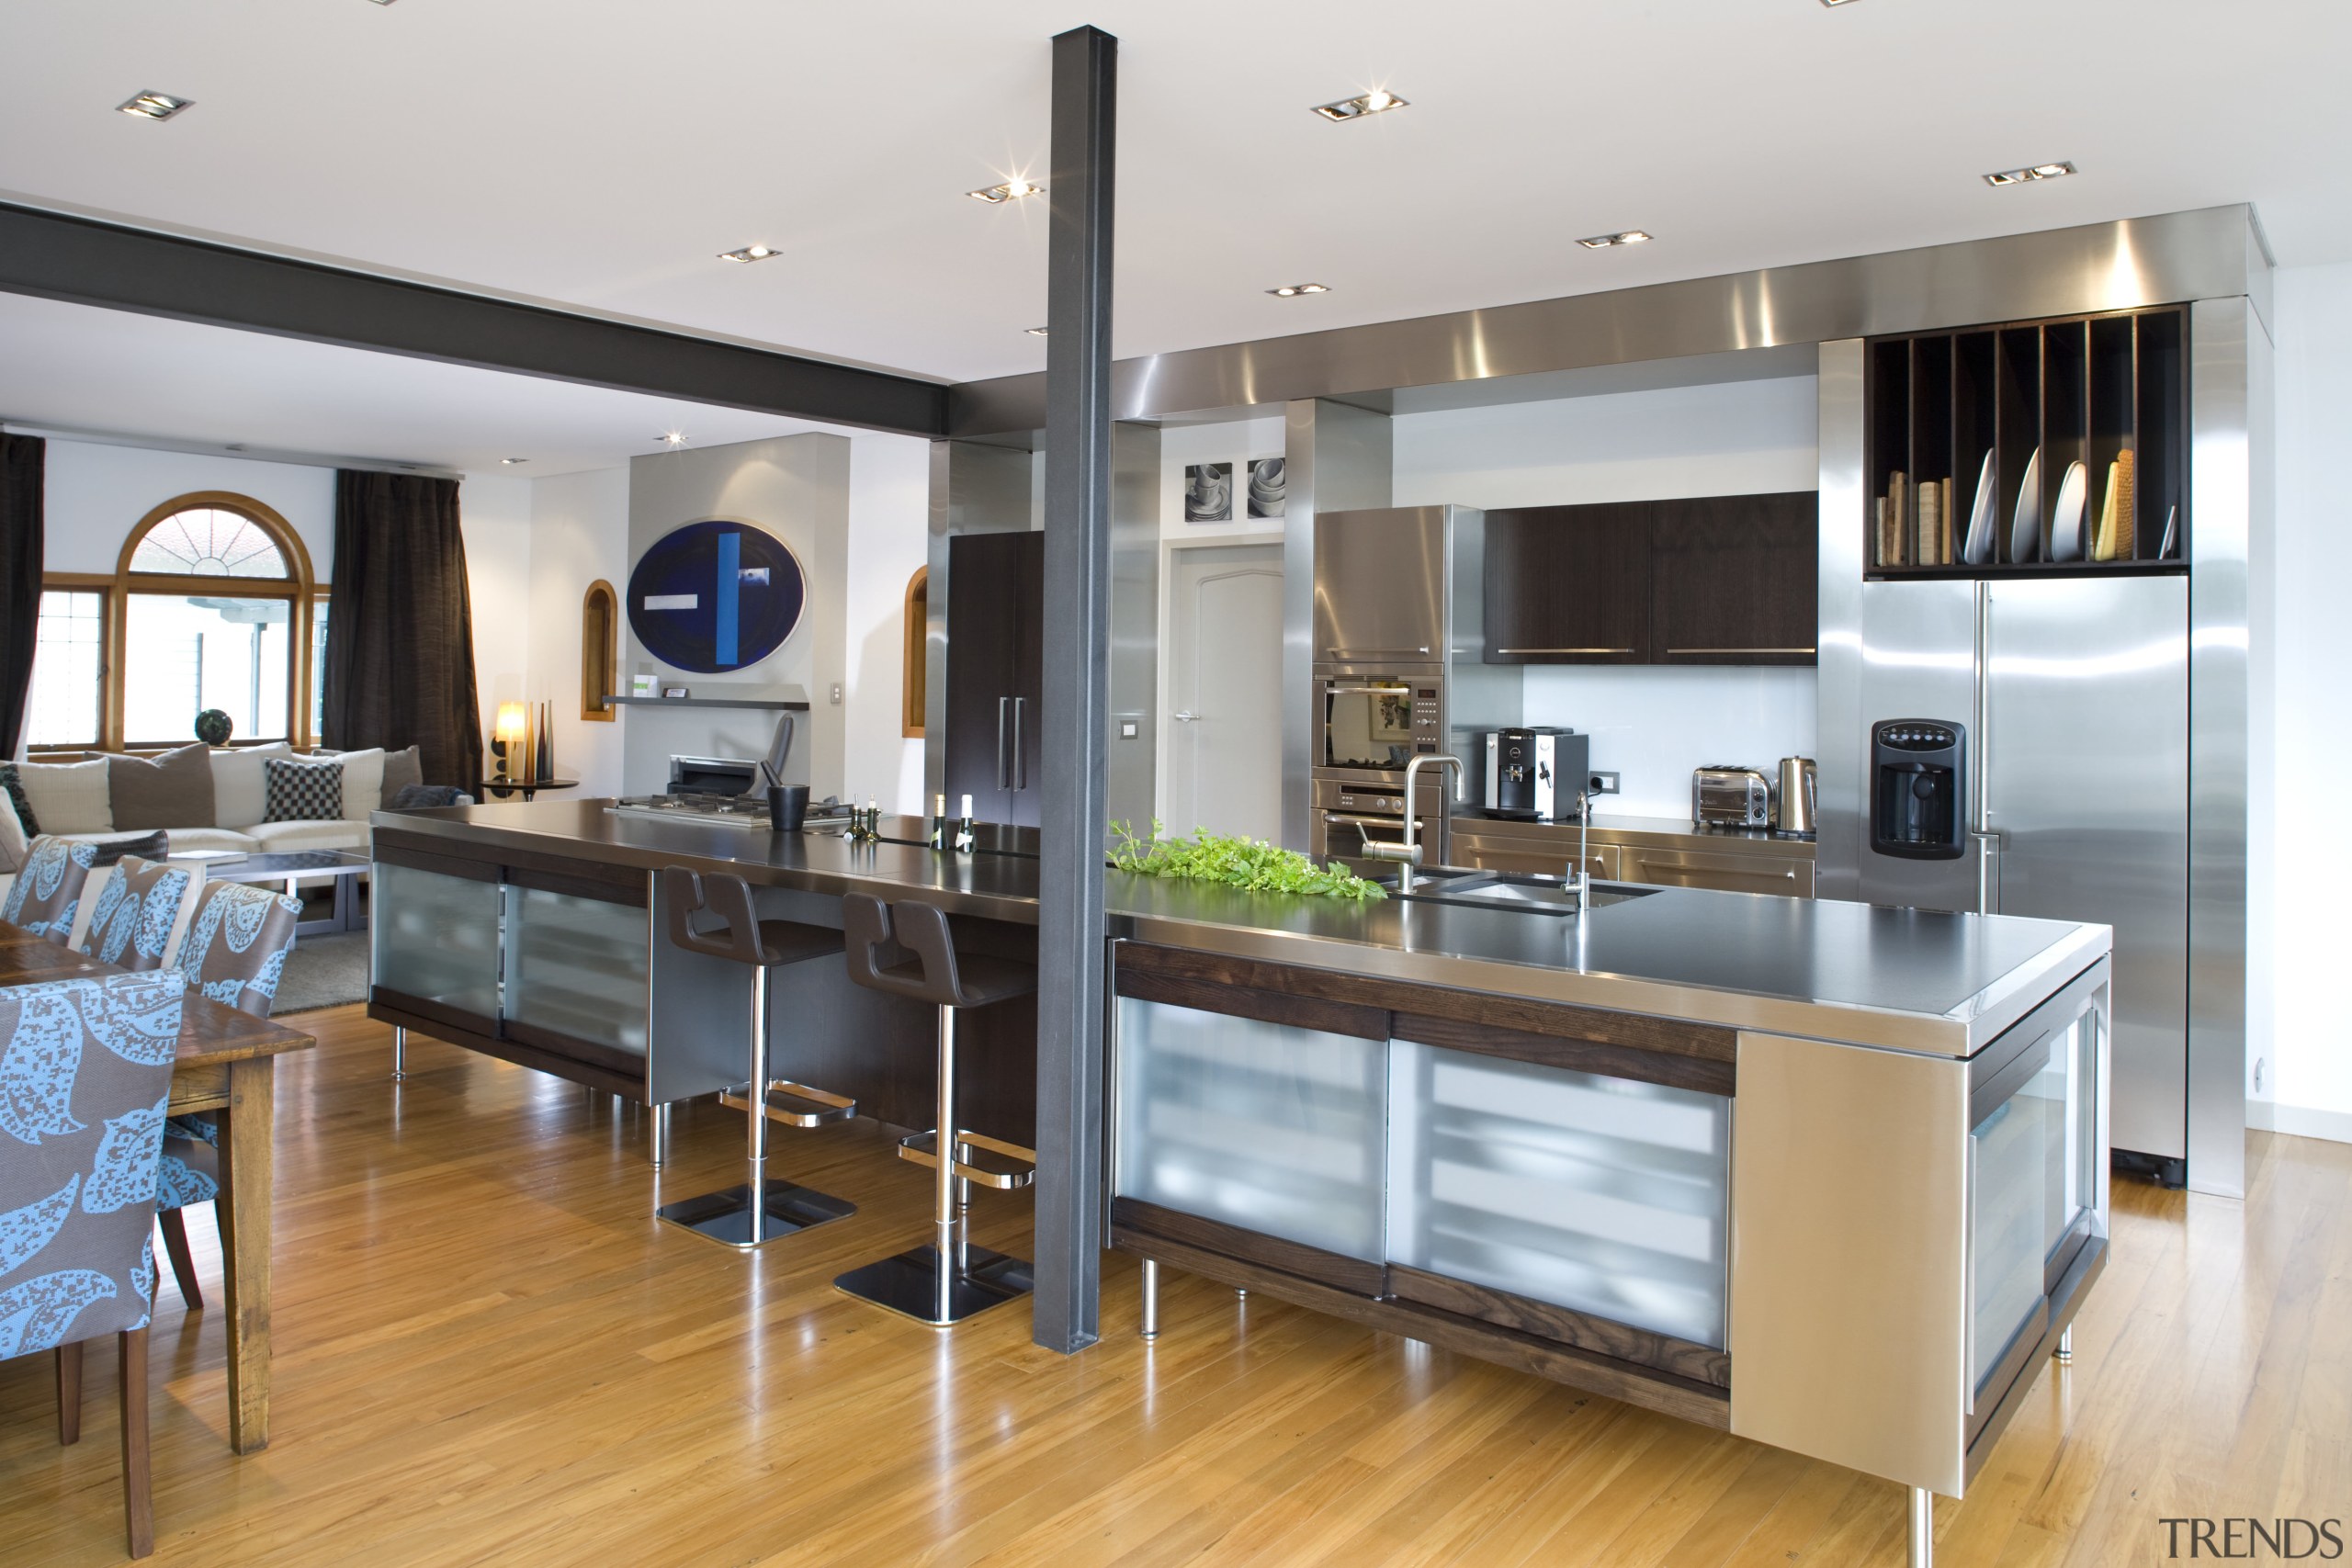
[[2065, 1352], [1150, 1299], [400, 1054], [660, 1136], [1922, 1531]]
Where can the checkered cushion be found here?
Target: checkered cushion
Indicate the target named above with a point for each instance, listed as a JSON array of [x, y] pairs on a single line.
[[302, 792]]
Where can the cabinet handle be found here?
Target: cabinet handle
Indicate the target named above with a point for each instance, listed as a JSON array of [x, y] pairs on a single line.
[[1003, 769], [1020, 765], [1185, 716], [1566, 651], [1375, 653], [1367, 691], [1672, 651]]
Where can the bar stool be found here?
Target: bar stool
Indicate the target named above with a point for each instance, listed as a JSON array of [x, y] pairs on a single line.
[[759, 1211], [905, 949]]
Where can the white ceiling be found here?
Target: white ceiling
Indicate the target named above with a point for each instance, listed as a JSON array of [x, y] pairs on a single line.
[[599, 153], [76, 370]]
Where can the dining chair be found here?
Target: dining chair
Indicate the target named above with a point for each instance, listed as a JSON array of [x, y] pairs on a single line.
[[133, 917], [47, 890], [85, 1073], [235, 953]]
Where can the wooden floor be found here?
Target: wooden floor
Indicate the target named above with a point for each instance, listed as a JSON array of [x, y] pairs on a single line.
[[487, 1352]]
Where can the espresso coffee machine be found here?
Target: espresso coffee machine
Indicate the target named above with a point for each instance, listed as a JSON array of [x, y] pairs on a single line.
[[1531, 771], [1918, 789]]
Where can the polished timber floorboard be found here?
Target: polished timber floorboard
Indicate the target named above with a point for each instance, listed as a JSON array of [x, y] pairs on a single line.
[[489, 1352]]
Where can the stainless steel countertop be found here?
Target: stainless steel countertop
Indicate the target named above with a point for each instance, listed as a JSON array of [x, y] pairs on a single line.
[[1909, 980]]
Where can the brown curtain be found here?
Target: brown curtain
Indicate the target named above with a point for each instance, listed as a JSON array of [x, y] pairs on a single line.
[[20, 555], [400, 638]]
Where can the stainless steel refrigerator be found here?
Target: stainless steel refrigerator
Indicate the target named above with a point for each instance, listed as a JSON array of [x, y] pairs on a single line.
[[2069, 699]]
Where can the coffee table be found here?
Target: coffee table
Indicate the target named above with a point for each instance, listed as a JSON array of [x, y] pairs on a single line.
[[294, 866]]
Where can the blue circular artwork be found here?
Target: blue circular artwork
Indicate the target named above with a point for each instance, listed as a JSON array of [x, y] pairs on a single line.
[[716, 596]]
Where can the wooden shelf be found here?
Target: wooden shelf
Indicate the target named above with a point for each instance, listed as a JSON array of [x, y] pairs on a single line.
[[2077, 389], [765, 704]]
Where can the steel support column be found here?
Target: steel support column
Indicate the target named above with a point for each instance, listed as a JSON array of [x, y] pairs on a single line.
[[1077, 697]]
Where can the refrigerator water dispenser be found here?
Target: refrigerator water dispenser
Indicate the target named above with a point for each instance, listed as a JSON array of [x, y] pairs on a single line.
[[1918, 789]]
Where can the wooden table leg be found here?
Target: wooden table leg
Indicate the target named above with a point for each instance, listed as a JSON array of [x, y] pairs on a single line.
[[245, 1174]]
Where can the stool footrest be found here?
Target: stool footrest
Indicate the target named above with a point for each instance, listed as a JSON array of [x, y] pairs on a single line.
[[794, 1104], [1012, 1166]]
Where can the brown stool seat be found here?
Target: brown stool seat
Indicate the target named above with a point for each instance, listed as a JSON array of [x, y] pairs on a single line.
[[907, 949]]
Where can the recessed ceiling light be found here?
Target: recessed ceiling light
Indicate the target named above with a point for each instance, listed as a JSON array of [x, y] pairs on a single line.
[[1624, 237], [1378, 101], [2026, 176], [510, 462], [1011, 190], [673, 437], [748, 253], [1291, 290], [154, 106], [1834, 2], [1037, 332]]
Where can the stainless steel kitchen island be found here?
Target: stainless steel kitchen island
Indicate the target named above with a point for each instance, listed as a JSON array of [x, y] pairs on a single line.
[[1827, 1176]]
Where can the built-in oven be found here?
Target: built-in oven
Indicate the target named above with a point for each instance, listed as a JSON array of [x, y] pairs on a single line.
[[1374, 721], [2037, 1179], [1347, 815]]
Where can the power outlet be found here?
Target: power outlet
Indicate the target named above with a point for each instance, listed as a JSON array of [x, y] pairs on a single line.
[[1601, 784]]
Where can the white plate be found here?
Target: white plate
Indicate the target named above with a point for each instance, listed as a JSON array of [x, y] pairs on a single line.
[[2025, 530], [1976, 548], [2066, 519]]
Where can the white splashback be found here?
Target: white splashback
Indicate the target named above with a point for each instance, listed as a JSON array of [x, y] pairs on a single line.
[[1651, 725]]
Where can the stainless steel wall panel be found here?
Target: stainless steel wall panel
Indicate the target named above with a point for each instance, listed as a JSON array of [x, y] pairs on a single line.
[[1135, 620], [2228, 392], [2088, 693], [1337, 458], [1840, 738], [975, 488], [2097, 266], [1849, 1258]]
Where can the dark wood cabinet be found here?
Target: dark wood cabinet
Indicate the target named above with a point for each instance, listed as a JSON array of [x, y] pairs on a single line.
[[1568, 584], [996, 681], [1715, 579], [1735, 580]]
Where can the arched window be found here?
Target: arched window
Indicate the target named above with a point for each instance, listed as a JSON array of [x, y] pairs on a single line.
[[216, 611], [599, 650], [913, 673]]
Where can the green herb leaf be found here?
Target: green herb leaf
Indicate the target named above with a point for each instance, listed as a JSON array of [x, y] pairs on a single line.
[[1252, 865]]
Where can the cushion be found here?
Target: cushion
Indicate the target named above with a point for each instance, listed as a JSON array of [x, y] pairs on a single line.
[[333, 833], [132, 917], [189, 840], [111, 847], [420, 797], [300, 791], [174, 790], [238, 787], [402, 769], [70, 798], [13, 784], [14, 839], [363, 781]]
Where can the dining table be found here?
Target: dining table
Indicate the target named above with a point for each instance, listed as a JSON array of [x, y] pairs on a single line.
[[226, 1069]]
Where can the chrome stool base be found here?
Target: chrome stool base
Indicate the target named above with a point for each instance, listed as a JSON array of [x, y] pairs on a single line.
[[935, 1290], [726, 1216]]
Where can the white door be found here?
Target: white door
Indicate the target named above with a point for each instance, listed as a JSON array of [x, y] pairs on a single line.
[[1224, 745]]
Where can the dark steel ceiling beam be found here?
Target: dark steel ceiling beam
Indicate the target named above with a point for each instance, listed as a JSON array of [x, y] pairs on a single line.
[[84, 262]]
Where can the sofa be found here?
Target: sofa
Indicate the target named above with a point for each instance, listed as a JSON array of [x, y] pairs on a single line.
[[200, 798]]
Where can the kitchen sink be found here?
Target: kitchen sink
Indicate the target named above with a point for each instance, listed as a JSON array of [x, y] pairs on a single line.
[[1508, 890]]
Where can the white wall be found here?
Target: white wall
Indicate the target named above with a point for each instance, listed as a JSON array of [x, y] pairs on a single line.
[[1651, 726], [579, 534], [889, 519], [2306, 861], [96, 495], [495, 516]]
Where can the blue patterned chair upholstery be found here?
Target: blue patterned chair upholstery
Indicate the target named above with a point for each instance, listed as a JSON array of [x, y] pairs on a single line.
[[86, 1073], [47, 890], [133, 916], [234, 953]]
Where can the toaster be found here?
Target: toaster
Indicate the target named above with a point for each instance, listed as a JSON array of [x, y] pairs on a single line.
[[1730, 797]]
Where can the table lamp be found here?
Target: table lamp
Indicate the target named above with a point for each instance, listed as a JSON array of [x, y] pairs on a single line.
[[512, 729]]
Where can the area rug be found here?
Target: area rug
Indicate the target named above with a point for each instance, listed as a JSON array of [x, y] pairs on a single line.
[[323, 972]]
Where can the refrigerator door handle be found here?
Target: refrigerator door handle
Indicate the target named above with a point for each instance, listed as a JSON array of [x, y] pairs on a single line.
[[1988, 871], [1980, 751], [1020, 761], [1003, 768]]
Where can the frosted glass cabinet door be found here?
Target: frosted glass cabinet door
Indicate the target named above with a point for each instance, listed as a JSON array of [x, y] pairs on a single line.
[[1268, 1128], [436, 937], [1602, 1194], [577, 967]]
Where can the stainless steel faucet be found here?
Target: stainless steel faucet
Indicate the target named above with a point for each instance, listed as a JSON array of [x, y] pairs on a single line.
[[1582, 875], [1408, 854]]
